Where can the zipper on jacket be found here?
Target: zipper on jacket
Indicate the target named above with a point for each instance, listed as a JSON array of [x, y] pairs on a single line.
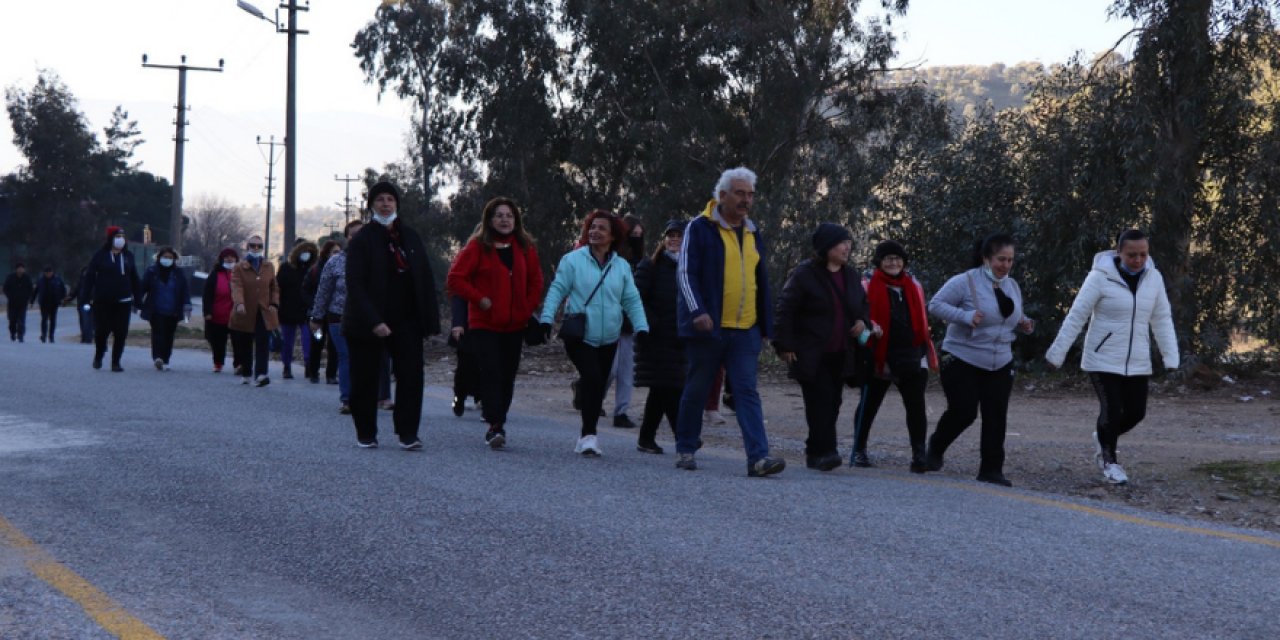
[[1104, 341], [1133, 318]]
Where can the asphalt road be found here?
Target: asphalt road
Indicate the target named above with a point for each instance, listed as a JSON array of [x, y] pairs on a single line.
[[187, 505]]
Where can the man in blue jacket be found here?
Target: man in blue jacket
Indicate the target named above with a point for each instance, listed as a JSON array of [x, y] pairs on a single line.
[[724, 315]]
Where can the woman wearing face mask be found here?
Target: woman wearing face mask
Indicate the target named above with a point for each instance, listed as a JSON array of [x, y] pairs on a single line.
[[256, 295], [499, 276], [822, 313], [1124, 301], [217, 305], [660, 354], [166, 300], [594, 280], [983, 309], [111, 282], [324, 345], [391, 308], [294, 303]]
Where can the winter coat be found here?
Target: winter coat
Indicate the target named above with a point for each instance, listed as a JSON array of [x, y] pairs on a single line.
[[331, 289], [50, 292], [368, 278], [153, 296], [659, 354], [18, 291], [111, 277], [258, 292], [989, 345], [576, 276], [209, 297], [806, 316], [701, 275], [294, 301], [478, 272], [1121, 322]]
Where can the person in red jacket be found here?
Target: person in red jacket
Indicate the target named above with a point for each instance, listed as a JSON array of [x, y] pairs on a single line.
[[499, 276]]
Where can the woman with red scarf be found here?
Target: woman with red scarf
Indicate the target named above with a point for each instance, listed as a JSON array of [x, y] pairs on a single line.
[[821, 313], [902, 353]]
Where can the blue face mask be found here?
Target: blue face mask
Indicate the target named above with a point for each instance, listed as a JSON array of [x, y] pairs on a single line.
[[385, 220], [166, 262]]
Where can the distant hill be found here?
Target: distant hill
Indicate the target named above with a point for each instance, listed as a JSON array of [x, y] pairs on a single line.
[[967, 88]]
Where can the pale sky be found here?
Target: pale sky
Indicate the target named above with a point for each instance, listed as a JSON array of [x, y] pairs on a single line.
[[96, 47]]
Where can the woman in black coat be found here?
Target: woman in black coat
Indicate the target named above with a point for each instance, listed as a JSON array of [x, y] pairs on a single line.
[[660, 353], [822, 317], [295, 302]]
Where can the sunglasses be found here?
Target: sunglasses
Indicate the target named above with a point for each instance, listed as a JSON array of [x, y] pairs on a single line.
[[254, 246]]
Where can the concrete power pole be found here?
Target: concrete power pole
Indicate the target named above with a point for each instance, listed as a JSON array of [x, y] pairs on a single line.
[[346, 202], [291, 123], [271, 158], [179, 138]]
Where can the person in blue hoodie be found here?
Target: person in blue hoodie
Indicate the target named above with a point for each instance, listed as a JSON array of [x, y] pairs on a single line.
[[111, 284], [166, 300], [594, 280]]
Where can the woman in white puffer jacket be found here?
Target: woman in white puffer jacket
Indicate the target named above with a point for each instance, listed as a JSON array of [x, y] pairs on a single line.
[[1124, 300]]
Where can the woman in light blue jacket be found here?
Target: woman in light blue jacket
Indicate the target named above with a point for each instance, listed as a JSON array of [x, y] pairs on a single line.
[[982, 308], [595, 281]]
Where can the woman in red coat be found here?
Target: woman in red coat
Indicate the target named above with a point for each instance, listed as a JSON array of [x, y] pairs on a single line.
[[499, 276]]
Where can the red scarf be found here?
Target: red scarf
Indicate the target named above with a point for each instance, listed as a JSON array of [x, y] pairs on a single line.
[[878, 299], [397, 247]]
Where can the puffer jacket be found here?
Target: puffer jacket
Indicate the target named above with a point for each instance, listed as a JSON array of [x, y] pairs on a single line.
[[1121, 321], [513, 293], [576, 277], [659, 353], [989, 345]]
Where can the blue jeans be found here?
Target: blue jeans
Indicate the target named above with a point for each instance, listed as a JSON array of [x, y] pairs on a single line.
[[344, 368], [739, 351], [289, 334]]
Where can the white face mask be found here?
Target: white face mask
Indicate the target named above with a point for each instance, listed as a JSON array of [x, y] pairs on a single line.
[[305, 256], [117, 243], [228, 265], [385, 220], [166, 262]]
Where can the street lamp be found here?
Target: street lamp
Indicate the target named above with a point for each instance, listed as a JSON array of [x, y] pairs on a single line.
[[291, 106]]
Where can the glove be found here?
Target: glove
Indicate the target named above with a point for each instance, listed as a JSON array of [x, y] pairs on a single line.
[[546, 331]]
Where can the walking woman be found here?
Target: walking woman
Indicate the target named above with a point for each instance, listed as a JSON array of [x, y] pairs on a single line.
[[166, 300], [1124, 300], [660, 353], [391, 308], [326, 312], [597, 288], [983, 309], [822, 313], [111, 282], [902, 353], [499, 276], [295, 302], [256, 313], [324, 345], [217, 305]]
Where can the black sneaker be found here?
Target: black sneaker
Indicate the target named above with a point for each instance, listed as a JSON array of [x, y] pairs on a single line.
[[115, 368], [495, 438], [459, 406], [765, 467], [331, 380], [97, 362], [932, 462], [823, 463], [687, 462], [995, 478], [623, 422], [416, 445], [288, 373], [344, 409], [367, 444], [860, 459], [648, 446]]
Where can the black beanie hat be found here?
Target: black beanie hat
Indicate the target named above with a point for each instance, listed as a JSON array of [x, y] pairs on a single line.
[[828, 235], [381, 188], [889, 248], [674, 224]]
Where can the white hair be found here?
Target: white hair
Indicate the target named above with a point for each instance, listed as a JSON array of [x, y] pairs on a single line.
[[727, 178]]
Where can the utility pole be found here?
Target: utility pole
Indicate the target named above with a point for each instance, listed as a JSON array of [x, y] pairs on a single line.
[[291, 122], [332, 227], [346, 202], [271, 158], [179, 138]]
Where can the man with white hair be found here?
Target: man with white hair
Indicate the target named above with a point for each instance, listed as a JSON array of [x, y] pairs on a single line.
[[724, 314]]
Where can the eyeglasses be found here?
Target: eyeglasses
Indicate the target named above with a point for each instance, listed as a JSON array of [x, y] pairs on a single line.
[[252, 245]]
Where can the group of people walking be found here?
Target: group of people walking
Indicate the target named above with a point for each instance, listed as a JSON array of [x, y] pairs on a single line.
[[697, 307]]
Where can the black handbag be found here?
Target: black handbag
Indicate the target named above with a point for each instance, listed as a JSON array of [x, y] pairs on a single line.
[[573, 326]]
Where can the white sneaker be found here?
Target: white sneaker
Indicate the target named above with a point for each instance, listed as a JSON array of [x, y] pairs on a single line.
[[165, 368], [1097, 456], [587, 446], [244, 380], [1114, 473], [713, 418]]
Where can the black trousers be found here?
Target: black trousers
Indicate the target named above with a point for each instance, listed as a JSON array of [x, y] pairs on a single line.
[[17, 320], [822, 399], [1123, 401], [971, 389], [497, 356], [326, 346], [911, 387], [216, 335], [111, 319], [365, 353], [593, 365], [163, 329], [466, 374], [662, 402], [48, 322], [252, 350]]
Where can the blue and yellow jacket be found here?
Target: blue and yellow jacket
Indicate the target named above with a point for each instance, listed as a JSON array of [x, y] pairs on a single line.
[[719, 277]]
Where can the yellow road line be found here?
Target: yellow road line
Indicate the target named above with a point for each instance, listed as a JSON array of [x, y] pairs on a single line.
[[1113, 515], [109, 615]]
